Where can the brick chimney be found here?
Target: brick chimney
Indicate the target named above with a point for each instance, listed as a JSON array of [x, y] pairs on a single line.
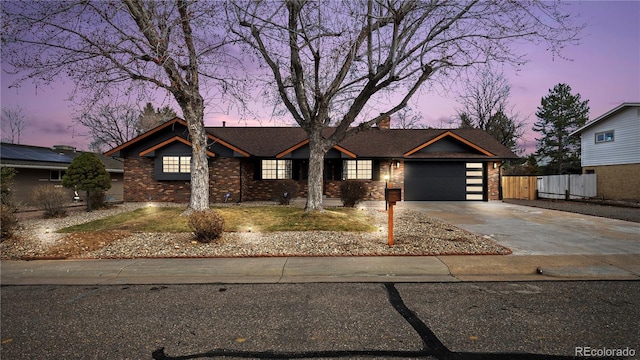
[[385, 123]]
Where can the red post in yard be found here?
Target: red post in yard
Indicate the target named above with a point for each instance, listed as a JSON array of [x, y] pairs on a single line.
[[392, 196], [390, 222]]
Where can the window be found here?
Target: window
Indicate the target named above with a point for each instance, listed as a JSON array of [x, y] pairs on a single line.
[[176, 164], [276, 169], [56, 175], [358, 169], [604, 136]]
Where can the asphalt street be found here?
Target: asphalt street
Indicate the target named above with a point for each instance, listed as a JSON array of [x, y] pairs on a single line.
[[472, 320]]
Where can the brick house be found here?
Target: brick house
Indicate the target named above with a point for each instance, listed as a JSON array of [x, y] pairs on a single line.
[[428, 164]]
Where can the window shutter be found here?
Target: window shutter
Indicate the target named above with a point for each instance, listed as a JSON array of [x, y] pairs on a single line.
[[337, 170], [375, 169], [295, 169], [257, 169]]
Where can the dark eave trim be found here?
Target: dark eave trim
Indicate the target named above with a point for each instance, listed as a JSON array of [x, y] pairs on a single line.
[[169, 141], [146, 135], [450, 134]]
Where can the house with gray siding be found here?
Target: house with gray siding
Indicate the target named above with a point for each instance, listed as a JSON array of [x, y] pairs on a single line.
[[610, 148], [37, 165]]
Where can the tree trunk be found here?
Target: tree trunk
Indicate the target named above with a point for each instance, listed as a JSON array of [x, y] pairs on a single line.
[[194, 115], [199, 170], [316, 170]]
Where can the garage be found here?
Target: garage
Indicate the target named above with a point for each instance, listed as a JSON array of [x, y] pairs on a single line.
[[443, 181]]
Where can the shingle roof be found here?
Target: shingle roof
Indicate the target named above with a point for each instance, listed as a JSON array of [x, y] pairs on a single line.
[[260, 141], [391, 143], [372, 143]]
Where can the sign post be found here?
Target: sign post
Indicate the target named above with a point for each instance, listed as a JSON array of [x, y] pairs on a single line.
[[392, 196]]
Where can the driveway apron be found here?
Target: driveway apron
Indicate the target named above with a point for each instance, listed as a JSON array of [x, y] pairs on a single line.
[[533, 231]]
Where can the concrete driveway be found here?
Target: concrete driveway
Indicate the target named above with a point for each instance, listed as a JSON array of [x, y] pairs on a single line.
[[533, 231]]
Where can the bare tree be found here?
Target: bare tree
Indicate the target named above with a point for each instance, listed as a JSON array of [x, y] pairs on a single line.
[[14, 121], [482, 96], [109, 125], [407, 119], [131, 44], [485, 105], [334, 63]]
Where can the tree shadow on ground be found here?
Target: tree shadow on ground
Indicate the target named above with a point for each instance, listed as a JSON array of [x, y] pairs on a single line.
[[432, 348]]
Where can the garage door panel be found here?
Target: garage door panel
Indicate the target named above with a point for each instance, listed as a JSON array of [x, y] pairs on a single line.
[[441, 181]]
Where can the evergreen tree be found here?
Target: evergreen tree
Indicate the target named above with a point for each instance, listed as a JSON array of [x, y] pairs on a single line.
[[559, 114], [150, 117], [86, 172]]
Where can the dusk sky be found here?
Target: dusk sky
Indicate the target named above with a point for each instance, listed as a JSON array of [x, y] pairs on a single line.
[[604, 69]]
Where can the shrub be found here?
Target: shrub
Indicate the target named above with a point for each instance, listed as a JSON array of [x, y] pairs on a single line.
[[352, 192], [86, 172], [51, 199], [207, 225], [97, 199], [285, 191], [6, 181], [8, 221]]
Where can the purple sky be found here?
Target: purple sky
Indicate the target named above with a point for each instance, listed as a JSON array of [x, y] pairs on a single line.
[[604, 68]]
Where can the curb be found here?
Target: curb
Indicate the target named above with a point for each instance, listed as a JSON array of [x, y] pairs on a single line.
[[272, 270]]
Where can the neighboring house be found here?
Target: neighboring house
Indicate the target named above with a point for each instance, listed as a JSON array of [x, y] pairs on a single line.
[[37, 165], [428, 164], [610, 148]]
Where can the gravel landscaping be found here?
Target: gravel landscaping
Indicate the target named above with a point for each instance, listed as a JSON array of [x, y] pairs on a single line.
[[415, 234]]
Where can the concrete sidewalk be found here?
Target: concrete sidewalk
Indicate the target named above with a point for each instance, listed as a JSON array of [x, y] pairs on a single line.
[[322, 269]]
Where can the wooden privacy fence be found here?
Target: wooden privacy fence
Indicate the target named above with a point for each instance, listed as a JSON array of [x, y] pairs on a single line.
[[549, 187], [519, 187]]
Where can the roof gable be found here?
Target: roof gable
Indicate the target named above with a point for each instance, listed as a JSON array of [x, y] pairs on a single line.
[[445, 136], [158, 130], [606, 116], [149, 133], [167, 142], [306, 143]]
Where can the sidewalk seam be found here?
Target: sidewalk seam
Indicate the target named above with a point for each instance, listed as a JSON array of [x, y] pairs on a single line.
[[284, 266], [448, 268], [122, 269], [610, 263]]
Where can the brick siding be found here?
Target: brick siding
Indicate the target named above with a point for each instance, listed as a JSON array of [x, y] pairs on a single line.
[[140, 185], [617, 182], [229, 175], [493, 180]]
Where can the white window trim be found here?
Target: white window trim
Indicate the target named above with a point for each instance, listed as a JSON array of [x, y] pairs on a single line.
[[363, 169], [604, 134], [283, 169], [184, 164]]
